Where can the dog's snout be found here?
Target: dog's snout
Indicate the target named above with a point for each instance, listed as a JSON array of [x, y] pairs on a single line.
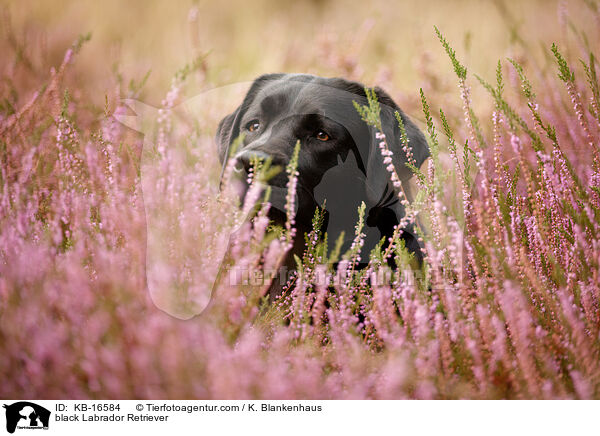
[[245, 159]]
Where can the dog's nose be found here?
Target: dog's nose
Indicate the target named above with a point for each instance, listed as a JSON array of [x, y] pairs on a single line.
[[245, 159]]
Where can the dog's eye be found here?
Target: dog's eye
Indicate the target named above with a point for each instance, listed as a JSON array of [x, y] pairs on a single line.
[[322, 136], [252, 125]]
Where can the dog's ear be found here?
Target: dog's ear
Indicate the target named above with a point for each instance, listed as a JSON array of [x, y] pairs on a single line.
[[379, 178], [391, 129], [229, 127], [226, 134]]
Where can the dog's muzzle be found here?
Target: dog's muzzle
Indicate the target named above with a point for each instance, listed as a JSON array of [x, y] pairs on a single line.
[[244, 159]]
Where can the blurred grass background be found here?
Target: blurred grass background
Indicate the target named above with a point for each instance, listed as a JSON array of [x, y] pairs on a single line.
[[380, 42]]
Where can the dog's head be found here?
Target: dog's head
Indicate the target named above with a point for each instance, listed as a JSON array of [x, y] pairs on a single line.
[[339, 159]]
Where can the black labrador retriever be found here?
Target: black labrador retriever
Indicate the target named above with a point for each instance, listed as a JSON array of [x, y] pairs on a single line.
[[340, 160]]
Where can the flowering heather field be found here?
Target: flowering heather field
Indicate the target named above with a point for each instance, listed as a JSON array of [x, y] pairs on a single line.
[[507, 304]]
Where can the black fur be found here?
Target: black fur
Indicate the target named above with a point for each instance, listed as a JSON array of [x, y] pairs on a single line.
[[345, 169]]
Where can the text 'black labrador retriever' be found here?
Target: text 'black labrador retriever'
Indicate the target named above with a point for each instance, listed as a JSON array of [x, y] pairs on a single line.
[[340, 160]]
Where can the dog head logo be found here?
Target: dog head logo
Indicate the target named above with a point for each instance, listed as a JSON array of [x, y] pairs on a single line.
[[26, 415]]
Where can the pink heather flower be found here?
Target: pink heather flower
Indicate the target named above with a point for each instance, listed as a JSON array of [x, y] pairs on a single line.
[[515, 143], [68, 56]]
